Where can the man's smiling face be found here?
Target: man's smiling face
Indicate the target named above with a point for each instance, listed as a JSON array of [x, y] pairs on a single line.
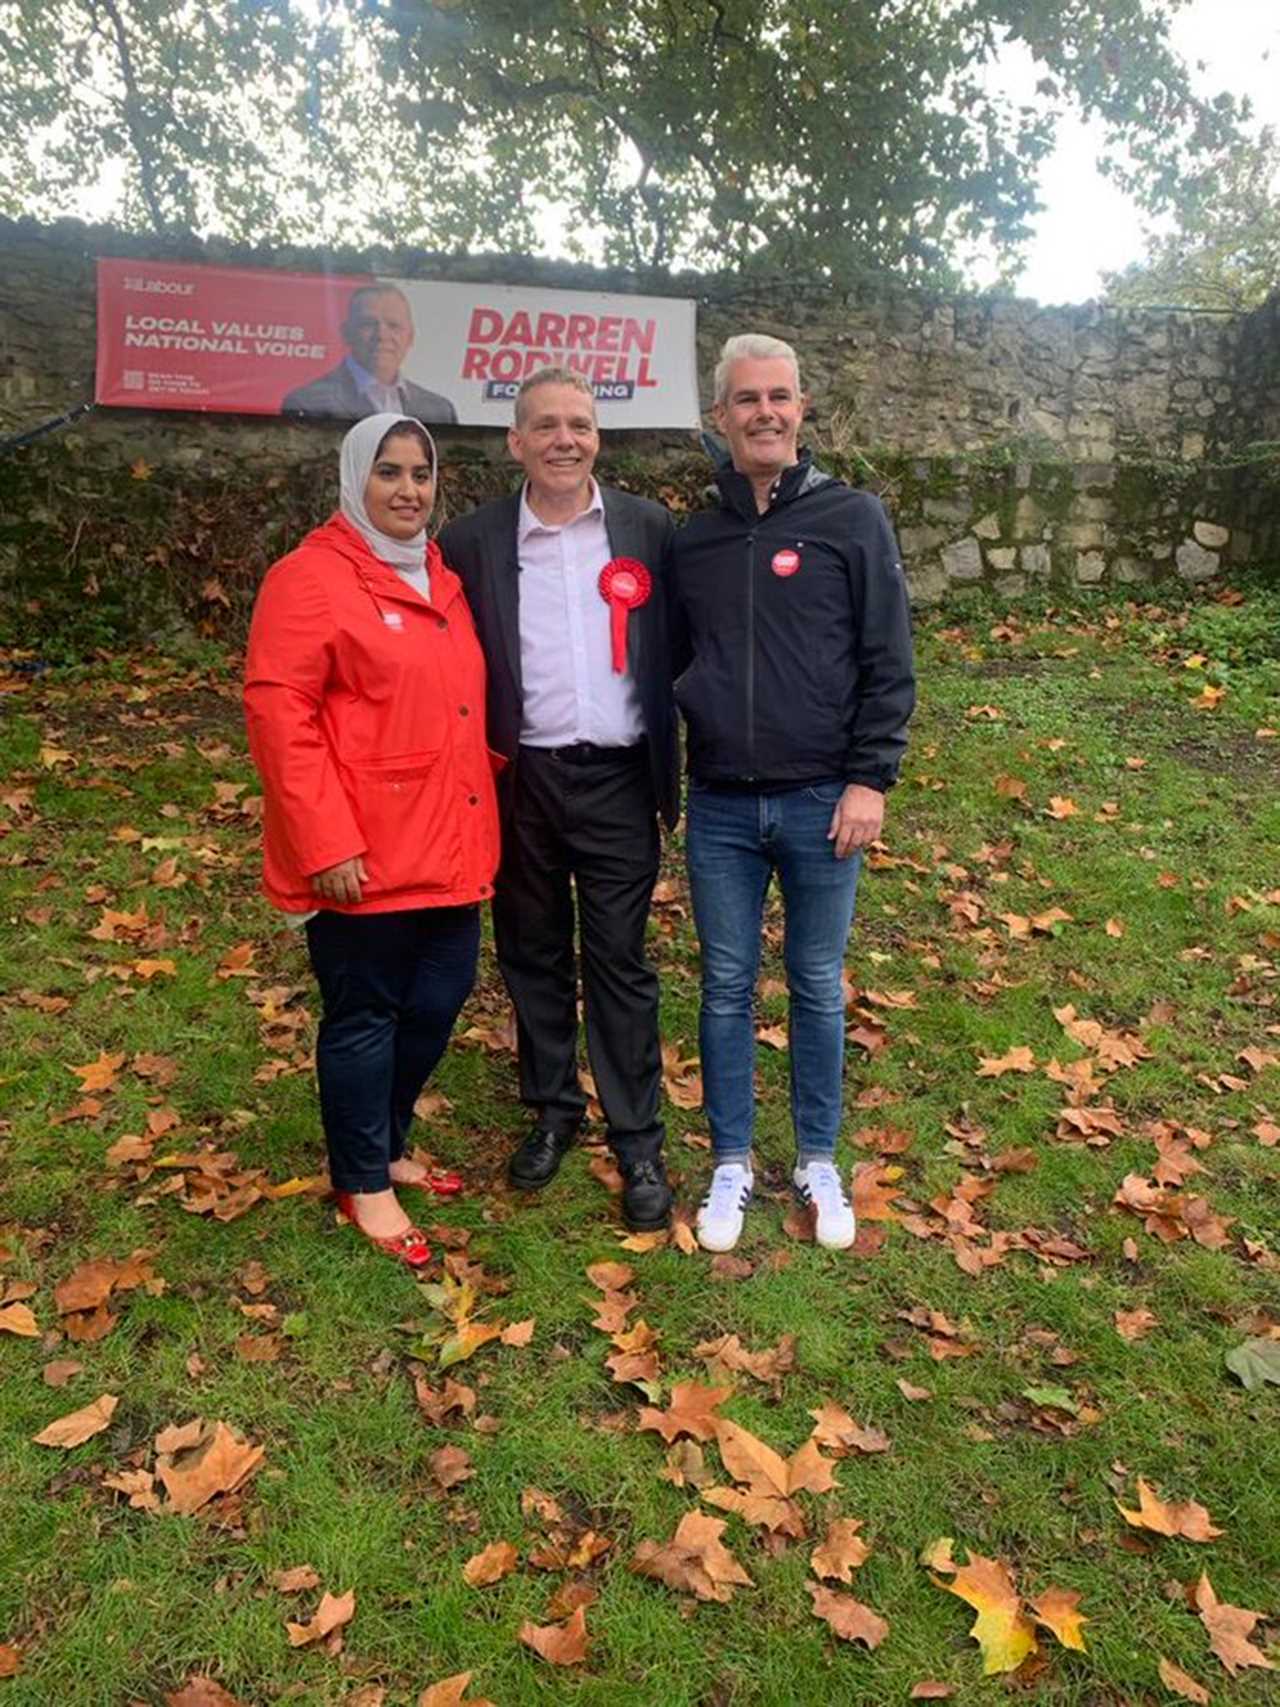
[[555, 440], [761, 415]]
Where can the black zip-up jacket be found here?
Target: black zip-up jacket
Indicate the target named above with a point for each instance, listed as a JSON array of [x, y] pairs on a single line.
[[793, 636]]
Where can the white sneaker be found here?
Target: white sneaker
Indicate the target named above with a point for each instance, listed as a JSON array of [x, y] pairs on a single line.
[[720, 1218], [818, 1184]]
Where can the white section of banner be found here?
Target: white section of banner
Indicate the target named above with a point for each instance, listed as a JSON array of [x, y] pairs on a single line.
[[474, 343]]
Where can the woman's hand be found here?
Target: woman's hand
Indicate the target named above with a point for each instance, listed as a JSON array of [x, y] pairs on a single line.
[[341, 882]]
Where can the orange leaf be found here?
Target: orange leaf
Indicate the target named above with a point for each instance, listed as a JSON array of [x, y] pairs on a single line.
[[835, 1429], [1061, 806], [1173, 1677], [200, 1691], [841, 1551], [79, 1426], [19, 1319], [1058, 1609], [449, 1692], [561, 1644], [849, 1618], [1229, 1629], [1019, 1059], [695, 1560], [490, 1565], [519, 1333], [451, 1465], [217, 1463], [1135, 1324], [779, 1516], [1188, 1519], [610, 1276], [1001, 1629], [99, 1075], [690, 1412], [334, 1611]]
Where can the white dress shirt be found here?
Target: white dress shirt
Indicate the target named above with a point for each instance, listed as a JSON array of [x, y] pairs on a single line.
[[566, 657], [384, 399]]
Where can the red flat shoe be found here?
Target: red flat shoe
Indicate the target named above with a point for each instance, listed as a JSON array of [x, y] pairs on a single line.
[[409, 1247], [439, 1182]]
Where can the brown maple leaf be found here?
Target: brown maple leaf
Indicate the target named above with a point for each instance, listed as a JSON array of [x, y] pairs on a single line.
[[559, 1644], [1188, 1520], [490, 1565], [78, 1426], [334, 1611], [849, 1618], [695, 1560], [835, 1429], [1229, 1629], [1019, 1059], [691, 1412], [841, 1551], [218, 1462]]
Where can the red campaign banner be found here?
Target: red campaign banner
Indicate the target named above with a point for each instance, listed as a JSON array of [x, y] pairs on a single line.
[[231, 339], [256, 341]]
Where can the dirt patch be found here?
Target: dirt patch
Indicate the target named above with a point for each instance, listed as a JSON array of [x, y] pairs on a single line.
[[1235, 754]]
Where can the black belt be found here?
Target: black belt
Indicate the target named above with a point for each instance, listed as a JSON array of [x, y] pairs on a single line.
[[588, 753]]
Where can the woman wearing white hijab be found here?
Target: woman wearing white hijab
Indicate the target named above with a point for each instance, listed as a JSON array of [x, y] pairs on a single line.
[[364, 697]]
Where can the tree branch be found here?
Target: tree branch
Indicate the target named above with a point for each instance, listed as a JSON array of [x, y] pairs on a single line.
[[132, 115]]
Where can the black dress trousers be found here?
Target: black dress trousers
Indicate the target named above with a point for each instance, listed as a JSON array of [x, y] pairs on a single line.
[[582, 823]]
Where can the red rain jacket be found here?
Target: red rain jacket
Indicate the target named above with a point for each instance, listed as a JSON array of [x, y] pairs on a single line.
[[365, 710]]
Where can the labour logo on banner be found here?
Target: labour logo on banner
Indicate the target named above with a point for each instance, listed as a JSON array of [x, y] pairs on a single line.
[[785, 562]]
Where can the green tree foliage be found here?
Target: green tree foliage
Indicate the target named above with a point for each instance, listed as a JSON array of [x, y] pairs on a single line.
[[821, 136], [1225, 249]]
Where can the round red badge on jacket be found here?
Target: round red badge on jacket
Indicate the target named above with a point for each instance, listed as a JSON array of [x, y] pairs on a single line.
[[785, 562]]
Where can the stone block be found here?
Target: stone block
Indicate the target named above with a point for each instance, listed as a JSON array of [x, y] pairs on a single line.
[[948, 509], [1091, 566], [1002, 557], [1085, 535], [1210, 534], [920, 541], [1011, 586], [1162, 551], [1035, 560], [1130, 571], [1028, 519], [1241, 546], [1193, 447], [963, 560], [1195, 564], [926, 585], [988, 526]]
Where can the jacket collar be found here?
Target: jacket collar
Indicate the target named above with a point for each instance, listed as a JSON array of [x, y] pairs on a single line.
[[736, 491], [380, 578]]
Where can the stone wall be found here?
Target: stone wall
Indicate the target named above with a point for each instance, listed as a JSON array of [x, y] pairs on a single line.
[[1014, 444]]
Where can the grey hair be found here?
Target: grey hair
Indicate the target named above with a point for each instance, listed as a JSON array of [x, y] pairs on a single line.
[[755, 347], [553, 376]]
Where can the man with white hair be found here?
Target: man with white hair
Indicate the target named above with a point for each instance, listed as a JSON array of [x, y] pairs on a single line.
[[796, 685]]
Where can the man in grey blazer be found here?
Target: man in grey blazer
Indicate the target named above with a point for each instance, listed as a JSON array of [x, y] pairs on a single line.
[[589, 736], [378, 332]]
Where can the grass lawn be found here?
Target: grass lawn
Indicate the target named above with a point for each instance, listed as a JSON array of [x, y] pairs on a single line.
[[1084, 821]]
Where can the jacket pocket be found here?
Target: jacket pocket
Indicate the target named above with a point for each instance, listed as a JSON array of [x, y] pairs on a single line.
[[404, 807]]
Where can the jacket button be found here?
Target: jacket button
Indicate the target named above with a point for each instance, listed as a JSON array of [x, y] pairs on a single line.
[[463, 711], [473, 800], [442, 623]]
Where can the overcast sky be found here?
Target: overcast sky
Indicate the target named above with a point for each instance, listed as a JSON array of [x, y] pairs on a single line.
[[1087, 225]]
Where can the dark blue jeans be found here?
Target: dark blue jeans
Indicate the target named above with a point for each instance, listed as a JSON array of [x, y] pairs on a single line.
[[392, 986], [735, 844]]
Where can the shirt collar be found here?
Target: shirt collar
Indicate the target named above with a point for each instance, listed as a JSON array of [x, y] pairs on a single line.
[[530, 523], [365, 380]]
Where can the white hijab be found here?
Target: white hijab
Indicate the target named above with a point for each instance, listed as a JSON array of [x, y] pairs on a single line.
[[359, 453]]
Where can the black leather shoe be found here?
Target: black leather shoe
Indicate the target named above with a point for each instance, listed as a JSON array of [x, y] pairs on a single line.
[[646, 1196], [536, 1161]]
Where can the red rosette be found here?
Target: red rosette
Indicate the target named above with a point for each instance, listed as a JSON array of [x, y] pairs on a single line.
[[625, 585]]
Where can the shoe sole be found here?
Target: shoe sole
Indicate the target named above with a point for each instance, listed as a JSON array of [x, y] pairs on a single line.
[[522, 1184], [658, 1226]]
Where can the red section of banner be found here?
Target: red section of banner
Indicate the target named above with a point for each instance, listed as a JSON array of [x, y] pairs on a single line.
[[232, 339]]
